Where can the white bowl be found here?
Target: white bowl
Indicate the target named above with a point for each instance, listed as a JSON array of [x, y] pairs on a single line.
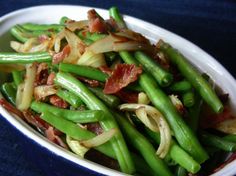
[[53, 13]]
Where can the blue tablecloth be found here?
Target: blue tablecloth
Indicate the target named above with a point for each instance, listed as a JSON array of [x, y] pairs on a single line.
[[211, 24]]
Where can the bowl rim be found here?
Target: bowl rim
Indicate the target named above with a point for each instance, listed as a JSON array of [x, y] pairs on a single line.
[[42, 141]]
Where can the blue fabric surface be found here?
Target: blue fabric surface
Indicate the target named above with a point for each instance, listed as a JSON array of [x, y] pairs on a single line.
[[211, 24]]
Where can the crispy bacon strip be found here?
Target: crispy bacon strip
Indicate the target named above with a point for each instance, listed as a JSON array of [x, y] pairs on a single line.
[[58, 102], [50, 133], [91, 82], [127, 96], [122, 75], [35, 120], [94, 127], [106, 69], [9, 107], [58, 57], [50, 80], [96, 23], [42, 74]]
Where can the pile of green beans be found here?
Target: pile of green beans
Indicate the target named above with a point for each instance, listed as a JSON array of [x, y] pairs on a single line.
[[85, 104]]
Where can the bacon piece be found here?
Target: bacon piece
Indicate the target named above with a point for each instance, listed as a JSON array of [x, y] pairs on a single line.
[[58, 102], [91, 82], [112, 24], [214, 119], [106, 69], [50, 80], [9, 107], [35, 120], [50, 133], [94, 127], [96, 23], [58, 57], [122, 75], [127, 96], [41, 74]]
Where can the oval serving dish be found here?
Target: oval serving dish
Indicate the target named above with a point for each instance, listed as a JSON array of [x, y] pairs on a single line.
[[52, 14]]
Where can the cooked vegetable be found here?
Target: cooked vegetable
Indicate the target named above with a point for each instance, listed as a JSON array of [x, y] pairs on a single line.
[[111, 100], [193, 76], [162, 76], [218, 142], [177, 154], [71, 81], [25, 90], [77, 116], [85, 71], [70, 97], [24, 58], [181, 86], [182, 132], [143, 146]]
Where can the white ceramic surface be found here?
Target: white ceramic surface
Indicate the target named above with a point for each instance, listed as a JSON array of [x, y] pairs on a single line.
[[53, 13]]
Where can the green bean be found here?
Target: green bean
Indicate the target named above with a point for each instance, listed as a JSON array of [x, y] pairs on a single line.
[[182, 132], [85, 71], [142, 166], [193, 76], [163, 77], [24, 58], [110, 100], [91, 36], [79, 133], [86, 116], [63, 20], [114, 13], [218, 142], [119, 146], [230, 137], [69, 97], [75, 131], [177, 154], [194, 113], [9, 92], [140, 143], [181, 86], [17, 77], [188, 99], [42, 27], [23, 35]]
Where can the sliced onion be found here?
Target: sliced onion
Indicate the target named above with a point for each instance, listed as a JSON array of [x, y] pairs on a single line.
[[40, 92], [41, 47], [58, 38], [154, 120], [72, 26], [228, 126], [25, 92], [24, 47], [76, 147], [99, 139], [91, 59], [114, 42], [143, 98], [75, 47], [147, 120]]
